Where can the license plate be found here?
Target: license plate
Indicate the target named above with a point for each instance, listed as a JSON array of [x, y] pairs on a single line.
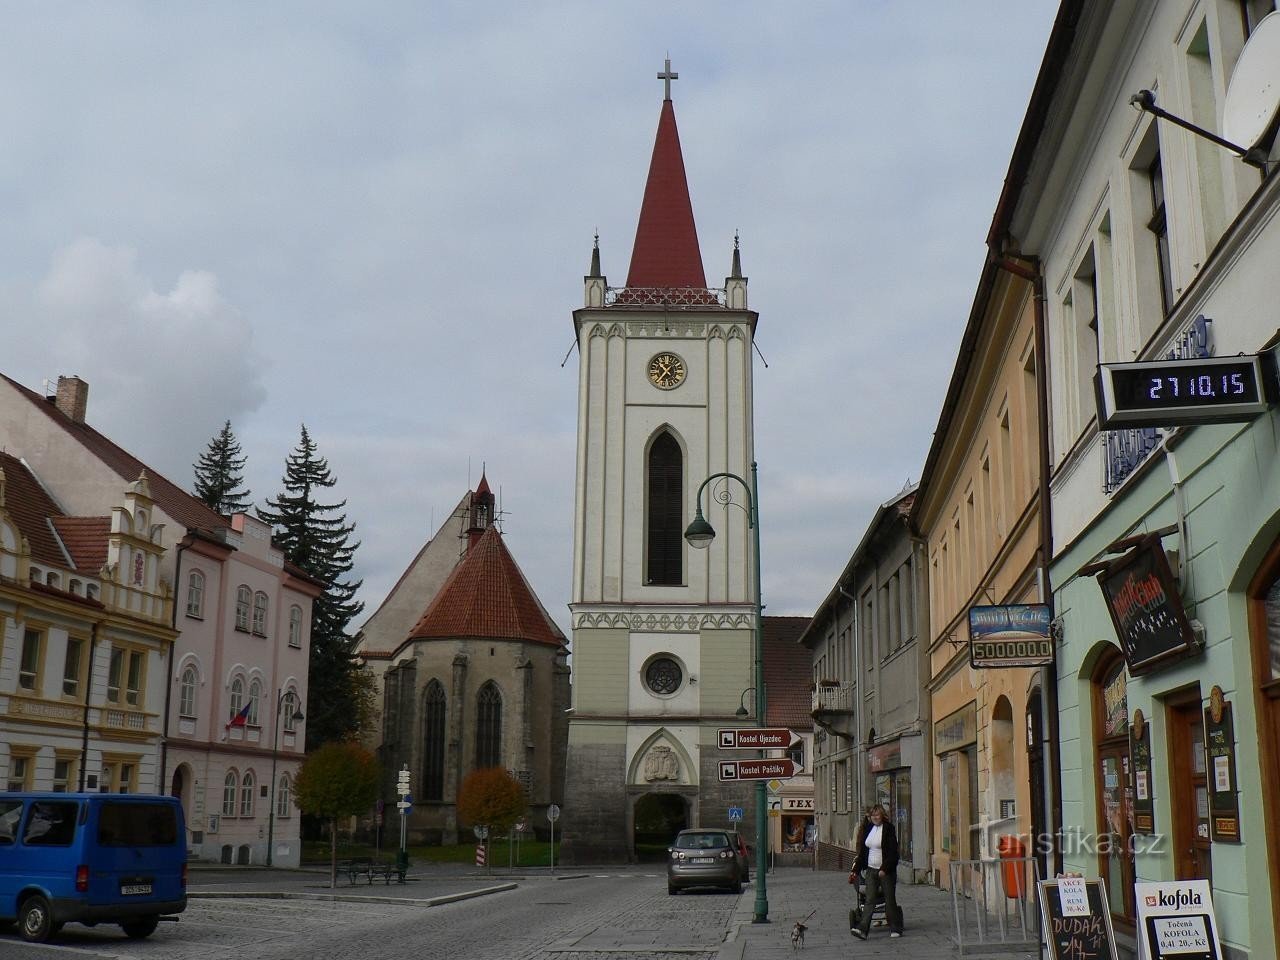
[[135, 889], [704, 860]]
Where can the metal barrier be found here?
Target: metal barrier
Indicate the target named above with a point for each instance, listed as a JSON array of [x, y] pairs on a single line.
[[993, 901]]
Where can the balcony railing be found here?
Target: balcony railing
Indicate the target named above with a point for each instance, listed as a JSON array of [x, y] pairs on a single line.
[[834, 698], [673, 297]]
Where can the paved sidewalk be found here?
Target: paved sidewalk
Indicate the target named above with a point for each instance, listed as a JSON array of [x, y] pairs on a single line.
[[795, 893]]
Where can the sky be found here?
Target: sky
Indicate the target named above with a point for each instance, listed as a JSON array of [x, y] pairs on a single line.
[[375, 218]]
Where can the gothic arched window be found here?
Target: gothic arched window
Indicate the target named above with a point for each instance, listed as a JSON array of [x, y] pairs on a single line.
[[666, 511], [489, 727], [433, 720]]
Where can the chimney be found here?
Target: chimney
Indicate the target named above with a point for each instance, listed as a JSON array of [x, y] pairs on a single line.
[[73, 397]]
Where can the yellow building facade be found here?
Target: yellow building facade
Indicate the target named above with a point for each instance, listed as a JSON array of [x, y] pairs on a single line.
[[977, 514]]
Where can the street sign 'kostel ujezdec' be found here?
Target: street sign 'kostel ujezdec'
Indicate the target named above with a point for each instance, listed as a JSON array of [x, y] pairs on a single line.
[[757, 738], [756, 769]]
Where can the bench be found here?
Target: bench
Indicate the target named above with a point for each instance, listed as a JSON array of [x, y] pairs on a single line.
[[372, 869]]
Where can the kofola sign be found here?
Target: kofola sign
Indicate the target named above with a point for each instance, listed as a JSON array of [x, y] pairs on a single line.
[[1016, 635], [1145, 607]]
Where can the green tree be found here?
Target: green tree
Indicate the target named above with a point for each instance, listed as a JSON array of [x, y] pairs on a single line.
[[316, 536], [219, 474], [491, 797], [338, 780]]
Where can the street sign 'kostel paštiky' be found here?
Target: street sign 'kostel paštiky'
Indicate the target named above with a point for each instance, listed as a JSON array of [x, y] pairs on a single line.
[[757, 738], [756, 769]]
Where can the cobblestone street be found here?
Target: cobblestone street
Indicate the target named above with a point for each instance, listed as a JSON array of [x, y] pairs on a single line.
[[606, 914]]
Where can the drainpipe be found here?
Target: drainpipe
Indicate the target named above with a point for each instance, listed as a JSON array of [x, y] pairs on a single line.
[[1049, 681], [88, 688], [168, 673], [856, 747]]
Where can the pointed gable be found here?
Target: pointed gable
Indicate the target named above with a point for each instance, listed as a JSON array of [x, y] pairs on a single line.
[[171, 498], [666, 250], [487, 597]]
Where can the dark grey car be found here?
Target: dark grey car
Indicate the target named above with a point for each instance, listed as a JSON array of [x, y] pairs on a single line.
[[703, 858]]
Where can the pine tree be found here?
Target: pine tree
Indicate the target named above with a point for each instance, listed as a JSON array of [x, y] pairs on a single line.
[[315, 537], [219, 477]]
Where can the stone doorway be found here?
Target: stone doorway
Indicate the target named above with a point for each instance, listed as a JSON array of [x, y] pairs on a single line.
[[658, 818]]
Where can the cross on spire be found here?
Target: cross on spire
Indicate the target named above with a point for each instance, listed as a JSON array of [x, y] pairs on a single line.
[[666, 76]]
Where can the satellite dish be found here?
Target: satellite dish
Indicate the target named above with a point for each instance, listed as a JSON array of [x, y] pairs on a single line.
[[1254, 92]]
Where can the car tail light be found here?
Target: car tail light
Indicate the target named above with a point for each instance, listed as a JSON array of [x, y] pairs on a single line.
[[184, 876], [82, 878]]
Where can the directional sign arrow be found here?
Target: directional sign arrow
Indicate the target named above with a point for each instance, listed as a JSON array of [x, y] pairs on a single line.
[[757, 738], [756, 769]]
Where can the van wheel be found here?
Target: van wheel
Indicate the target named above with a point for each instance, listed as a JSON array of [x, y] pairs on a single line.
[[35, 919], [140, 928]]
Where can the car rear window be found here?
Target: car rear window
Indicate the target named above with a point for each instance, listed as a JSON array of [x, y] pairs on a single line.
[[51, 823], [701, 841], [137, 825]]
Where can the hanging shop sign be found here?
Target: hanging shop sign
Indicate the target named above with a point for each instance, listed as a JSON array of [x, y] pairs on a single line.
[[1145, 607], [1162, 393], [1220, 750], [1144, 803], [1011, 635], [1176, 920]]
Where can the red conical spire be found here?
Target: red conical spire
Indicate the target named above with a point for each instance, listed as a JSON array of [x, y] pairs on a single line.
[[666, 250]]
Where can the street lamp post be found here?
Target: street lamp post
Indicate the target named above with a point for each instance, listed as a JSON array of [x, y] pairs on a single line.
[[275, 750], [699, 536]]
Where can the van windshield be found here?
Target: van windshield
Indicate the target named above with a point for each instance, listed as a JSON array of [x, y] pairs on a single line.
[[122, 824]]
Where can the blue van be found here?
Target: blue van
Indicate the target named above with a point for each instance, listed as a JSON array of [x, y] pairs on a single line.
[[90, 858]]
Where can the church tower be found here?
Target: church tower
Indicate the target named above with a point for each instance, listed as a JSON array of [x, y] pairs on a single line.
[[662, 633]]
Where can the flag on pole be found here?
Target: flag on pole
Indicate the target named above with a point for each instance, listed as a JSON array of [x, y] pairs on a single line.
[[241, 718]]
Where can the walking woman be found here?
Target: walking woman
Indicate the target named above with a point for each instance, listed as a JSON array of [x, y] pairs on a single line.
[[877, 864]]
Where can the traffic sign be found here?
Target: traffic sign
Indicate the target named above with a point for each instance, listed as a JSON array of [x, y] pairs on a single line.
[[756, 769], [757, 738], [404, 805], [735, 813], [774, 786], [553, 813], [481, 832]]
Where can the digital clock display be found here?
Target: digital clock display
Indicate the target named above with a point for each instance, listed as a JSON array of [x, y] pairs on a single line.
[[1169, 392], [1186, 384]]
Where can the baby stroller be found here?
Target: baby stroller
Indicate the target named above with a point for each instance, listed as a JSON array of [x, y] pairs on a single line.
[[878, 916]]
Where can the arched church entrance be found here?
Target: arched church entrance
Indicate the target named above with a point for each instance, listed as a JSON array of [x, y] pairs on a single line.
[[658, 818]]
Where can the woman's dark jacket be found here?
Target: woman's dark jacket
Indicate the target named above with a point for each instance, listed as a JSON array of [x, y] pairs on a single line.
[[888, 847]]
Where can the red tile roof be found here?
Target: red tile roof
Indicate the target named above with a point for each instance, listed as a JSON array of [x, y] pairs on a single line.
[[31, 507], [788, 671], [86, 540], [171, 498], [486, 596], [666, 250]]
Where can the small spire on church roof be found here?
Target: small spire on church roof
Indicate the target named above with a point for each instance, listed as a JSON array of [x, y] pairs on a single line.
[[736, 272], [483, 485], [595, 258]]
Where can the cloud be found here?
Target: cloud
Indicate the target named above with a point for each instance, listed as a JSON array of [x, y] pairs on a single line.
[[165, 367]]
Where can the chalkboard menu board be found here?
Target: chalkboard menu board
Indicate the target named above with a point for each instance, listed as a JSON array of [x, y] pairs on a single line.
[[1144, 806], [1077, 922], [1220, 748], [1145, 607]]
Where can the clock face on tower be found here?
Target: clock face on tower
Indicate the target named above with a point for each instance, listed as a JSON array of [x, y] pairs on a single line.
[[666, 371]]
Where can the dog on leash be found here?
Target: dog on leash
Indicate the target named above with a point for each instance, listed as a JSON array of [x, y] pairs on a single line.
[[797, 935]]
